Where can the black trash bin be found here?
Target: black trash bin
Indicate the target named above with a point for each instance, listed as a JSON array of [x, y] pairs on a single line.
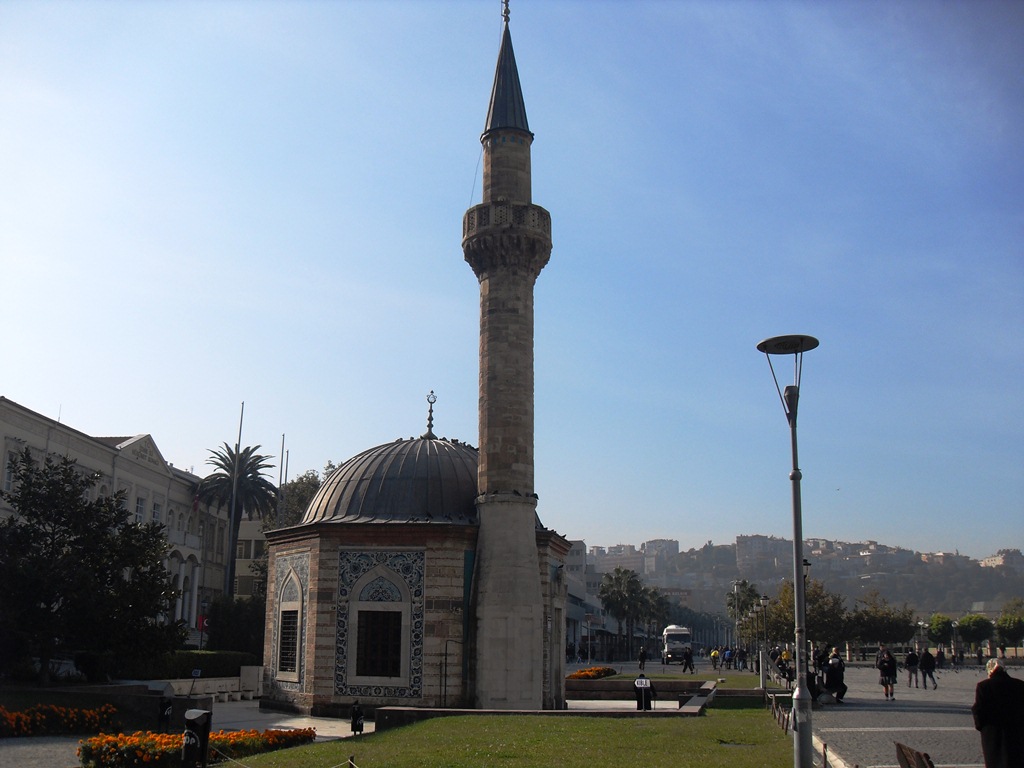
[[197, 738]]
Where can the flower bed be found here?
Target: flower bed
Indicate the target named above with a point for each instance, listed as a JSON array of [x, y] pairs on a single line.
[[164, 749], [52, 720], [591, 673]]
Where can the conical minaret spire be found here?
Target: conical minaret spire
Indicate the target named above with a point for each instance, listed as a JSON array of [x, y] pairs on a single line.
[[507, 241]]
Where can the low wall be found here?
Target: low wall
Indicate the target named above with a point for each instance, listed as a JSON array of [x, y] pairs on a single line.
[[623, 690], [248, 685]]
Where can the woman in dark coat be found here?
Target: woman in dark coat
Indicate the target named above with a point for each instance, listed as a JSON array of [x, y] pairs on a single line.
[[999, 714], [834, 673], [887, 670]]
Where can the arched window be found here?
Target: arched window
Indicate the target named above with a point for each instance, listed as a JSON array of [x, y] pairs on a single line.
[[289, 629], [378, 650]]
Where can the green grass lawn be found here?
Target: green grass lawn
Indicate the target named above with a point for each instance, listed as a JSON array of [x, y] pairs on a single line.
[[727, 739]]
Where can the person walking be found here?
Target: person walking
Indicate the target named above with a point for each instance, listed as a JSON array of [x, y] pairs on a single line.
[[688, 660], [998, 712], [927, 666], [887, 671], [835, 671], [643, 658], [910, 662]]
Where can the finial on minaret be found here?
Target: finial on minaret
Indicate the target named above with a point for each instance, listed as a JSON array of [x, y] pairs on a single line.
[[429, 434], [504, 10]]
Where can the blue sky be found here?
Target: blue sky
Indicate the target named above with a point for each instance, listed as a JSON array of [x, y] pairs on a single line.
[[209, 203]]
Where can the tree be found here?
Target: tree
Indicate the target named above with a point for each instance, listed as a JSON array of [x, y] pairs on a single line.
[[620, 595], [975, 629], [655, 612], [875, 620], [80, 575], [827, 620], [296, 495], [940, 629], [238, 484], [1010, 625], [237, 625], [741, 599]]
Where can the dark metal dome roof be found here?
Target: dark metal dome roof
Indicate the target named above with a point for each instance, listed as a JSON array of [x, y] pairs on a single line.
[[420, 480]]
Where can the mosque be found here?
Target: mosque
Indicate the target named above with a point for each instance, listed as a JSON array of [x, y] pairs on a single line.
[[420, 574]]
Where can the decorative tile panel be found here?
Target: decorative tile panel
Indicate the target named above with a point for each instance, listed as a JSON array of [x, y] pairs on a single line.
[[282, 566], [407, 567]]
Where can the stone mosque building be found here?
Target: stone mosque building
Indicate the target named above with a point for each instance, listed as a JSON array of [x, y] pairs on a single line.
[[420, 574]]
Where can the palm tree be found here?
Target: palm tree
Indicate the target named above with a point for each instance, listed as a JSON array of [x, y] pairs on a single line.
[[655, 611], [240, 485], [621, 595]]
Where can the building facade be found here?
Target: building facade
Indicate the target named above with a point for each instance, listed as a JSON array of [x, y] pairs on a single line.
[[155, 491]]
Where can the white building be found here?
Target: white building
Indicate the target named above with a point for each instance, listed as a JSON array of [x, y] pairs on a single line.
[[155, 490]]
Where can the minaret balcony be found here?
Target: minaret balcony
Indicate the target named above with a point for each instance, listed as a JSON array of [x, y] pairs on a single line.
[[502, 216]]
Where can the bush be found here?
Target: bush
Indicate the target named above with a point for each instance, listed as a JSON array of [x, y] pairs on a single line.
[[591, 673], [51, 720], [144, 748]]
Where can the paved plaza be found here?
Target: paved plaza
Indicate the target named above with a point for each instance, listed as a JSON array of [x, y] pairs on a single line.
[[861, 731]]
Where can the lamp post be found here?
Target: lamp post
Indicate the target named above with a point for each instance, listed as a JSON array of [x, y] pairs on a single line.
[[763, 654], [796, 345], [755, 611]]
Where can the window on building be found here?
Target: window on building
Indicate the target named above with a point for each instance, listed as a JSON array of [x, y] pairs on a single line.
[[379, 644], [156, 511], [244, 585], [288, 651], [379, 638], [258, 548], [244, 549], [9, 471], [289, 638], [140, 510]]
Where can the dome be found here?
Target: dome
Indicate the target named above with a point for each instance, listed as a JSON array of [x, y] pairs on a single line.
[[420, 480]]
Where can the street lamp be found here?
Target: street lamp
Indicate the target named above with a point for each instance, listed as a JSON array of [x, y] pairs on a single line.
[[796, 345], [763, 654]]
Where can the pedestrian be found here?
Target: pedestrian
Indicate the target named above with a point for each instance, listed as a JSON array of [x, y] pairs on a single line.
[[927, 666], [357, 718], [998, 713], [887, 671], [643, 657], [910, 662], [688, 660], [835, 671]]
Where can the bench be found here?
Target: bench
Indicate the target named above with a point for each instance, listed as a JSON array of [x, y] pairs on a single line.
[[908, 757]]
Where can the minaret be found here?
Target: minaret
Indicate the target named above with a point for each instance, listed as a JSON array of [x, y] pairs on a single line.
[[507, 241]]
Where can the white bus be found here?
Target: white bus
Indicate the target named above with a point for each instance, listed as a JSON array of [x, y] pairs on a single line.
[[674, 640]]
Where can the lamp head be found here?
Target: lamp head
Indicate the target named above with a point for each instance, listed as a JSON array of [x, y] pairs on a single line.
[[787, 345], [795, 345]]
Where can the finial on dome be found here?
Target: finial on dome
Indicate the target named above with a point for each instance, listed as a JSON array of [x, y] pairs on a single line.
[[504, 10], [429, 434]]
